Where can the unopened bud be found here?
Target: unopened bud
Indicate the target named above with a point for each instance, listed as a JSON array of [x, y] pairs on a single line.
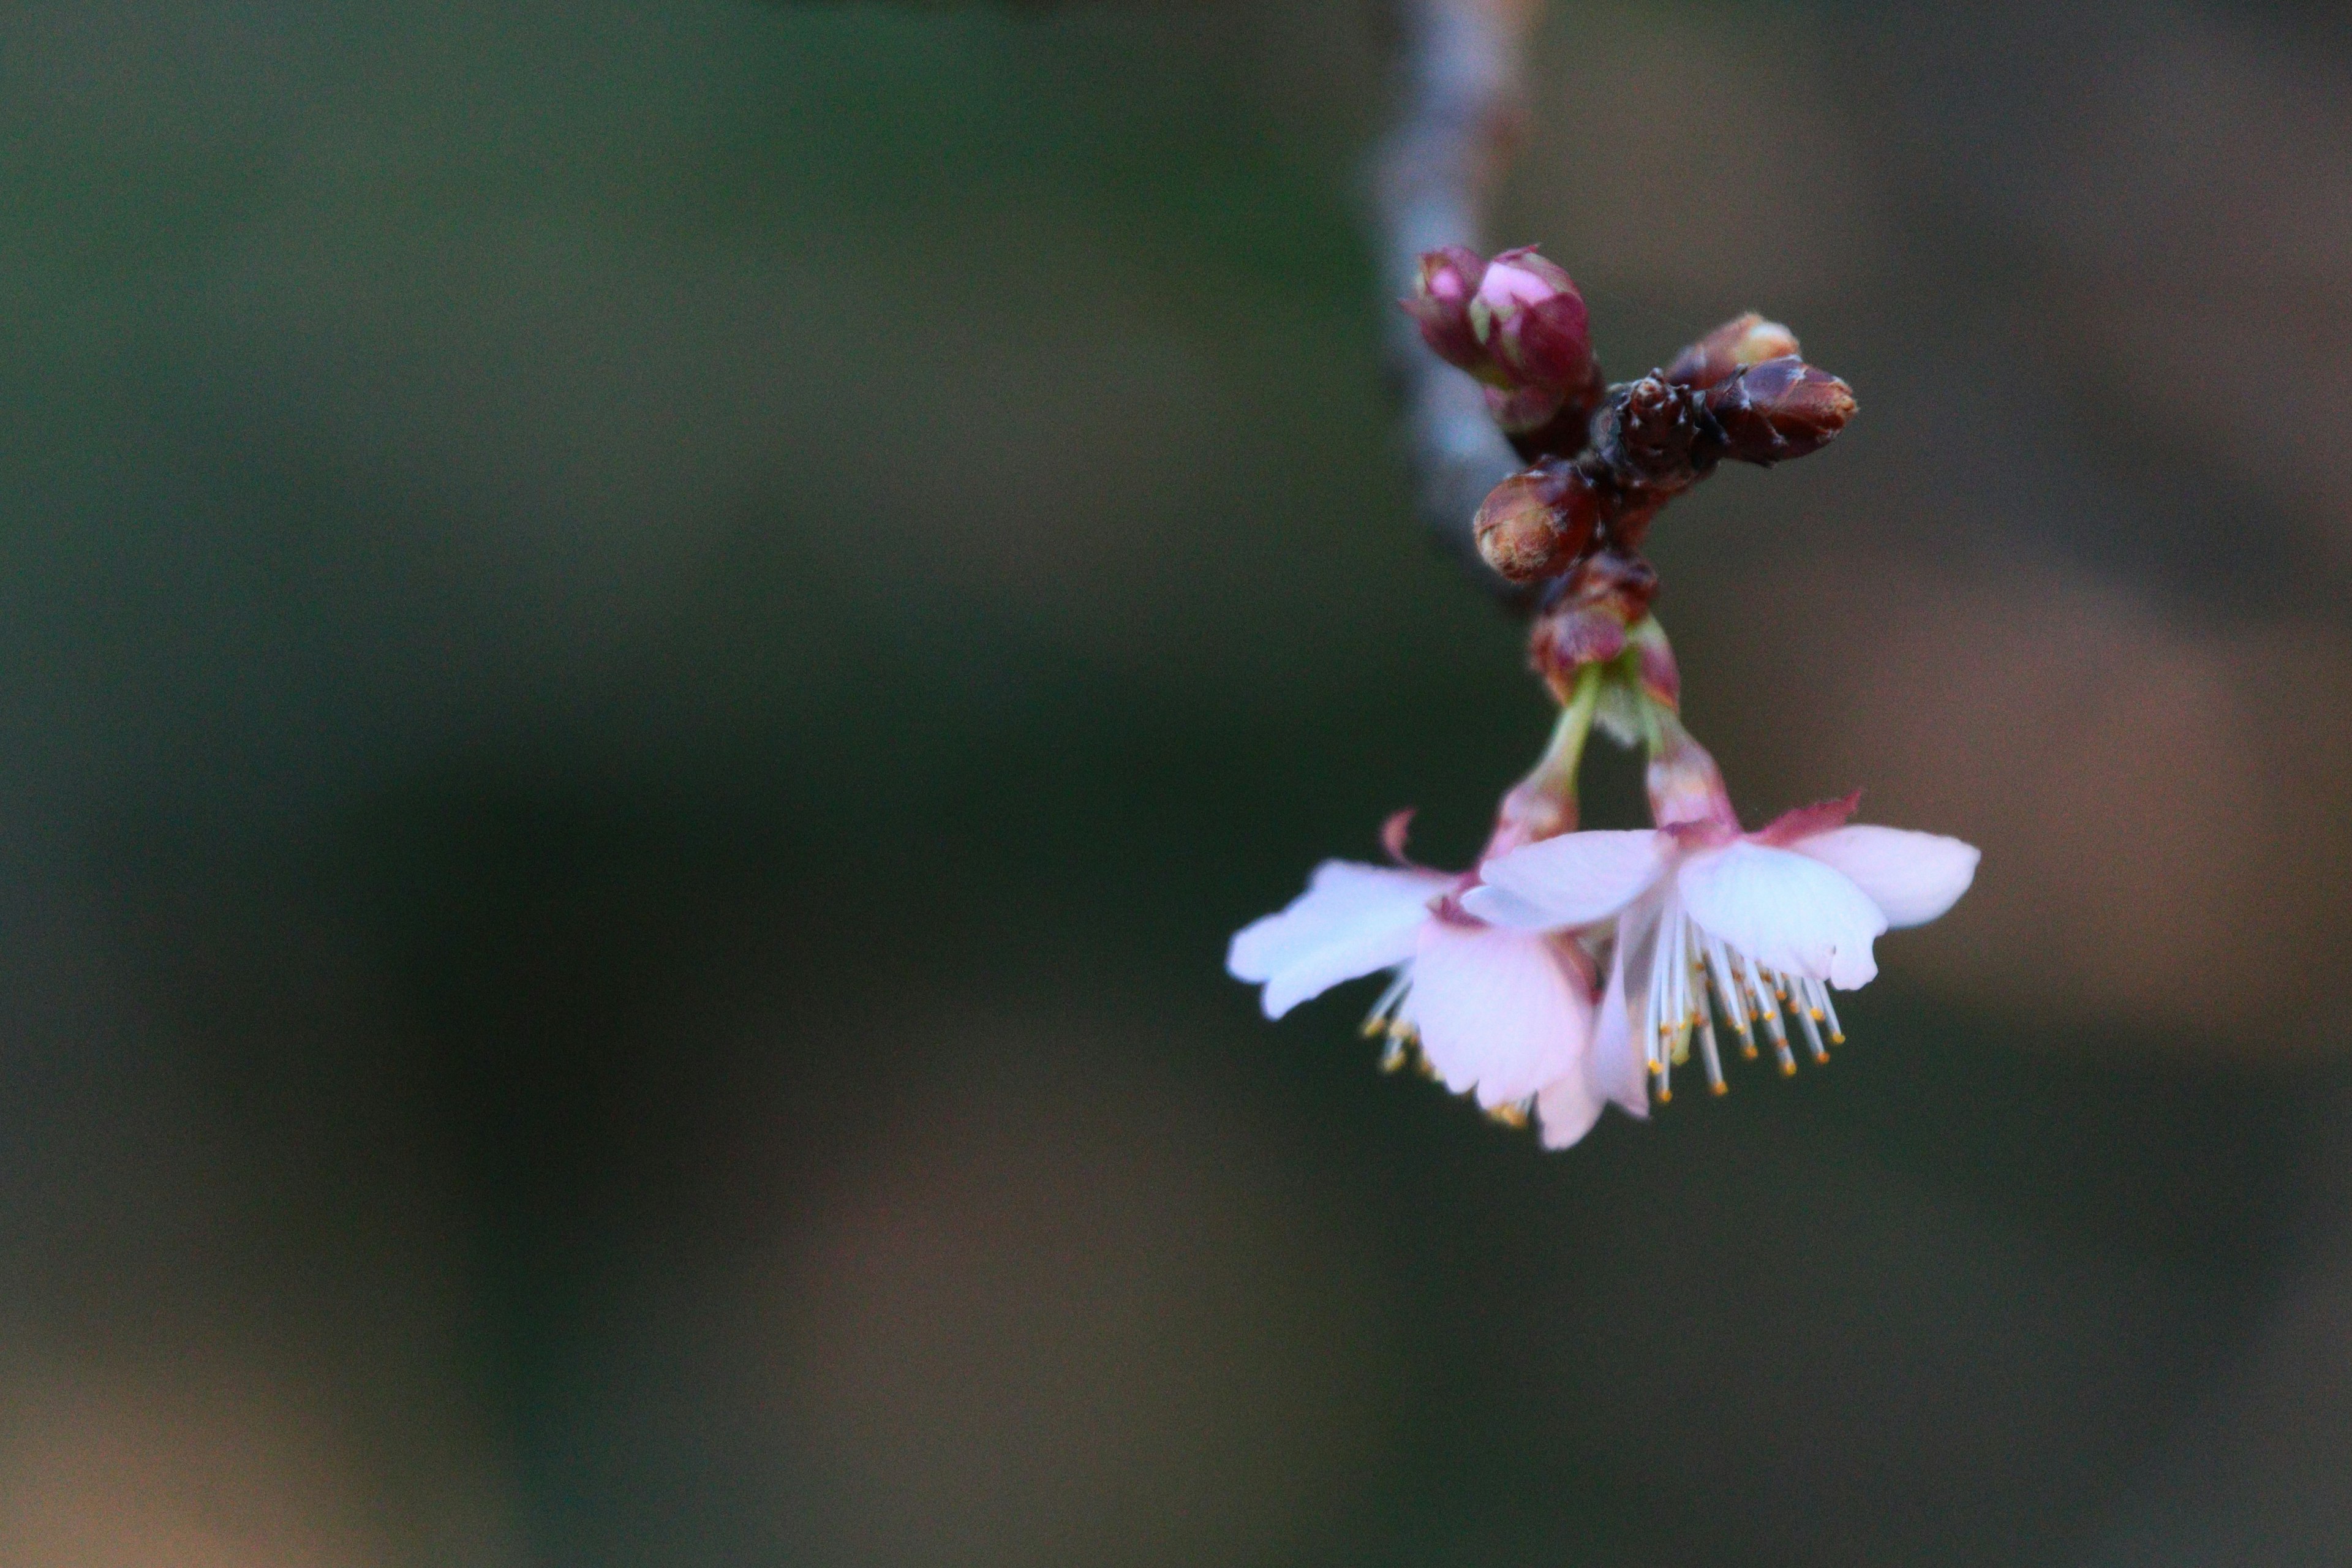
[[1588, 622], [1439, 305], [1537, 522], [1654, 429], [1528, 313], [1615, 582], [1732, 347], [1779, 409]]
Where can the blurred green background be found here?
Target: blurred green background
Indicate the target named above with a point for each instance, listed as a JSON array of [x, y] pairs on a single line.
[[649, 649]]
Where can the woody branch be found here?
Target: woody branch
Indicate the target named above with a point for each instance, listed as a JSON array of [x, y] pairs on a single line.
[[1459, 120]]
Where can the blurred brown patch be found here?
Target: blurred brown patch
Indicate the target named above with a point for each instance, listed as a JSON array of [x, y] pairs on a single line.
[[103, 1471], [2159, 806], [1067, 1307], [1675, 151]]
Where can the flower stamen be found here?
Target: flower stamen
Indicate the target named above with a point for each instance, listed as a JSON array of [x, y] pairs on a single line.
[[1715, 1084], [1697, 979], [1813, 1035]]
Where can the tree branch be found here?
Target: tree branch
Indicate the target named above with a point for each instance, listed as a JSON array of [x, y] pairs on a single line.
[[1459, 124]]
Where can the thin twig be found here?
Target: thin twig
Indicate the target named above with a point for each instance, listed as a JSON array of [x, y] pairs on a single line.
[[1459, 123]]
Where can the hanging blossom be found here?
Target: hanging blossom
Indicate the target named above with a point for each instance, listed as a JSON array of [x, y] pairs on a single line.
[[1497, 1010], [1701, 919], [1495, 972]]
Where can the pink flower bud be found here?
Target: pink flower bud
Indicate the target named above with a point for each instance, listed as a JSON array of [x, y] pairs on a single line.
[[1779, 409], [1440, 306], [1732, 347], [1537, 522], [1531, 318]]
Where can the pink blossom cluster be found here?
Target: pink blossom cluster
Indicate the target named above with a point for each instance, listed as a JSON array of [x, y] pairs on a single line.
[[1568, 970]]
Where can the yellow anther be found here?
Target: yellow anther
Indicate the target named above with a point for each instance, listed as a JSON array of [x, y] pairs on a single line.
[[1788, 1070], [1718, 1089], [1513, 1116]]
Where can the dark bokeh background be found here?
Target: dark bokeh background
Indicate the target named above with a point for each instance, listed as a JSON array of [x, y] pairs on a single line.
[[646, 650]]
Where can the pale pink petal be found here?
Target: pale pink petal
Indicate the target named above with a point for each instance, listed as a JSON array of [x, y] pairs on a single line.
[[1566, 1110], [1911, 877], [1578, 878], [1787, 911], [1617, 1069], [1509, 911], [1500, 1010], [1352, 919]]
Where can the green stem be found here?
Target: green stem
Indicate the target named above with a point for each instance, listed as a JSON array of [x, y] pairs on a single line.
[[1659, 719], [1565, 753]]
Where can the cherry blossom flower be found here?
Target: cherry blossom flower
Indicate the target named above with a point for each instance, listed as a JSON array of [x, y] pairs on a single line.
[[1501, 1013], [1493, 969], [1708, 920]]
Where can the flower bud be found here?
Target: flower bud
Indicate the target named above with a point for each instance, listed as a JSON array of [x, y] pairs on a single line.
[[1653, 430], [1529, 316], [1441, 307], [1732, 347], [1779, 409], [1606, 594], [1537, 522], [1616, 583]]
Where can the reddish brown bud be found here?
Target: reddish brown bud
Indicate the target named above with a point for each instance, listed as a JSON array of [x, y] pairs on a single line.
[[1587, 623], [1537, 522], [1779, 409], [1623, 585], [1528, 314], [1732, 347], [1567, 639], [1440, 306], [1657, 431]]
